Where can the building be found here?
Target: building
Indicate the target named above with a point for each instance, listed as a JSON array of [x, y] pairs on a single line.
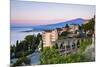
[[48, 37], [69, 45], [73, 28], [60, 30]]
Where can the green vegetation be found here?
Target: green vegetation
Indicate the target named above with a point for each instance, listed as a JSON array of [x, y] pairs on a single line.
[[53, 56], [22, 61], [80, 56], [24, 48], [85, 43], [66, 26], [64, 33], [90, 26]]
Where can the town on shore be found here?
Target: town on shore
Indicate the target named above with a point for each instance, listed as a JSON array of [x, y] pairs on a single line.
[[70, 44]]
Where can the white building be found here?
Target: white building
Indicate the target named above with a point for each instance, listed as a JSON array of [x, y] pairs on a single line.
[[48, 37]]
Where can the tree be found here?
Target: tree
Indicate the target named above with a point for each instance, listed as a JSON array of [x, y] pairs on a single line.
[[90, 25], [78, 57], [55, 46], [38, 39], [53, 56], [12, 51], [65, 33], [22, 60], [66, 26], [50, 56], [30, 41], [17, 43], [80, 28]]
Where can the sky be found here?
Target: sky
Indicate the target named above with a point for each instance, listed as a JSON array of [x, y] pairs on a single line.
[[28, 13]]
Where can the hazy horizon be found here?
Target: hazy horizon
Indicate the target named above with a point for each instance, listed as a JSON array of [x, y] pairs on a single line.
[[39, 13]]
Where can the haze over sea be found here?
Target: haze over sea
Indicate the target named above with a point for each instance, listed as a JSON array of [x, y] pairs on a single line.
[[19, 34]]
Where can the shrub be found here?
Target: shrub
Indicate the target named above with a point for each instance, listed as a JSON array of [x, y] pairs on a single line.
[[22, 60]]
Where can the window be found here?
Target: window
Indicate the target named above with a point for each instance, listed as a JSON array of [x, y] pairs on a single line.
[[68, 47], [78, 44], [73, 46]]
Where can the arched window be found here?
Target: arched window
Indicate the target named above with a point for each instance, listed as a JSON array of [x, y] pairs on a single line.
[[61, 46], [78, 44], [68, 47], [73, 46]]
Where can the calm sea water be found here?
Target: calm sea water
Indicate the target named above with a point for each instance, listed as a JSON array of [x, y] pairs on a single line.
[[17, 34]]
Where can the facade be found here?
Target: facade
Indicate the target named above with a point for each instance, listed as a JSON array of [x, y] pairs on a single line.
[[48, 37], [73, 28], [60, 30], [63, 30], [69, 45]]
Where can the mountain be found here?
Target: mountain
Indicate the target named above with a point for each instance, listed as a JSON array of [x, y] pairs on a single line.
[[79, 21]]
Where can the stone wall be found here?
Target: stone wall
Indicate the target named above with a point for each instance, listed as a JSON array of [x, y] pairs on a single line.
[[69, 45]]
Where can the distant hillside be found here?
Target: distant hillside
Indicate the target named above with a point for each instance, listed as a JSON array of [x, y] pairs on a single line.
[[79, 21], [59, 25]]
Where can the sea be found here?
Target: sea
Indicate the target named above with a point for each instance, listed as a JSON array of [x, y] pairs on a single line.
[[20, 33]]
